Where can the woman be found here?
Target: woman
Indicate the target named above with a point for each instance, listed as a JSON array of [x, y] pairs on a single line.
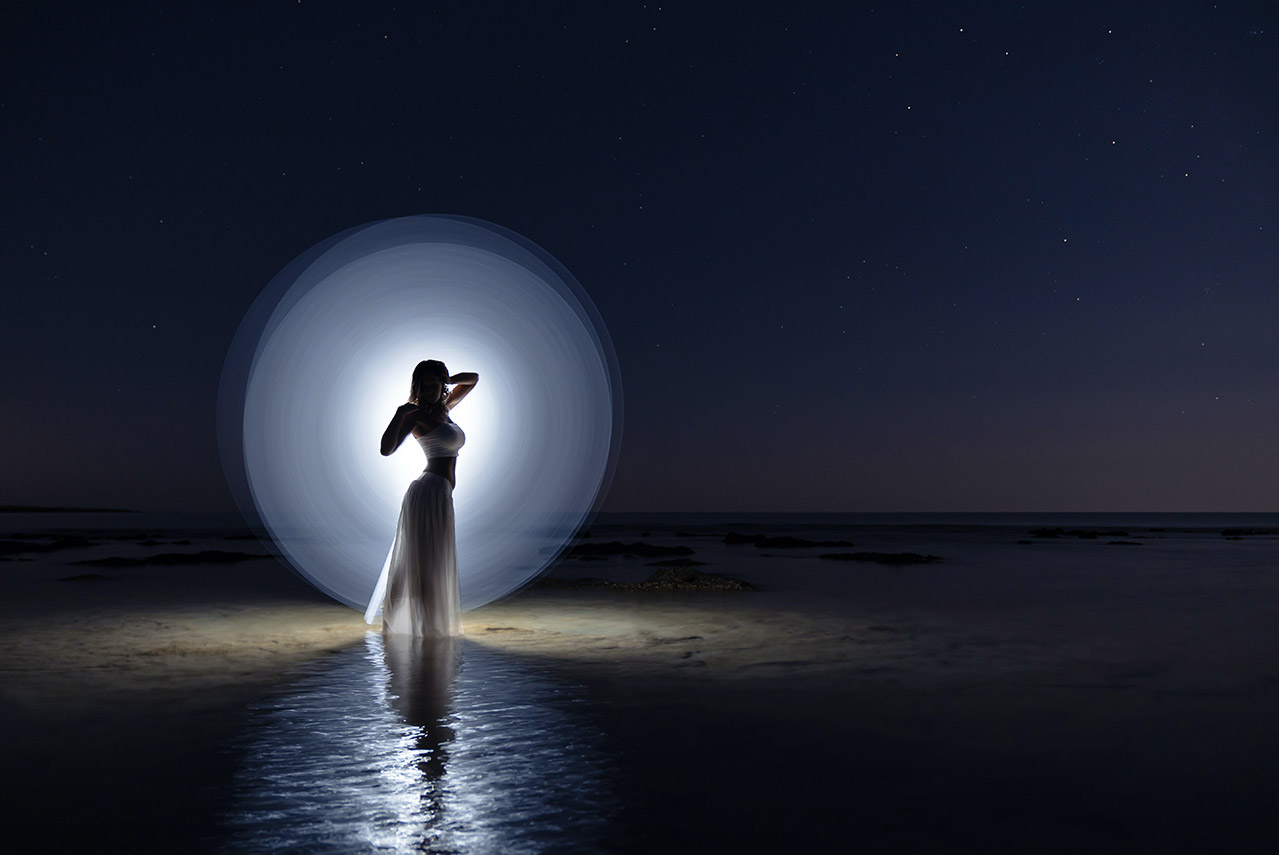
[[422, 597]]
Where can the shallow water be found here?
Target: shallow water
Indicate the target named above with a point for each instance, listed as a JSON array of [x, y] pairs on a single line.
[[1059, 694], [428, 746]]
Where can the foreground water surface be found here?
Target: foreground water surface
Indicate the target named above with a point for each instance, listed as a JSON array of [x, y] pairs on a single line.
[[1111, 690], [434, 746]]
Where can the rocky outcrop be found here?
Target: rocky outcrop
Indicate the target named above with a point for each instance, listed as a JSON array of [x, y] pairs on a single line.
[[644, 550], [1081, 533], [663, 579], [784, 542], [896, 558], [208, 556]]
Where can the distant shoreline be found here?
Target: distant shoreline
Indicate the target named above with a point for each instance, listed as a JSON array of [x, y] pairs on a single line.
[[56, 509]]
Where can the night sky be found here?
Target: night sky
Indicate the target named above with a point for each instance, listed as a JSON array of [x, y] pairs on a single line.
[[930, 256]]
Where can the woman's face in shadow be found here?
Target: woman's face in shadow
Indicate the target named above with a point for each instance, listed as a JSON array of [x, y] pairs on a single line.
[[430, 391]]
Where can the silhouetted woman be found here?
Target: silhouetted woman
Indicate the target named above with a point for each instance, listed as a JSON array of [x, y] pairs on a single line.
[[422, 597]]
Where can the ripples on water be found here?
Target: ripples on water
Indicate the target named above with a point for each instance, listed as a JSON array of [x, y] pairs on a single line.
[[422, 746]]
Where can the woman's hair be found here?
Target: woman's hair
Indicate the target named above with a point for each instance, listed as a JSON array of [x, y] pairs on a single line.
[[426, 371]]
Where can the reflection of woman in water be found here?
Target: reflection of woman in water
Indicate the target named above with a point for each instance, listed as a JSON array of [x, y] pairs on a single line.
[[420, 689], [422, 597]]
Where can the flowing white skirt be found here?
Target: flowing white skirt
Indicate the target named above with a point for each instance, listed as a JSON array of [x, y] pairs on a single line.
[[419, 579]]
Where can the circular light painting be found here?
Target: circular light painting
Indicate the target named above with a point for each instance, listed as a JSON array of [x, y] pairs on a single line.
[[325, 355]]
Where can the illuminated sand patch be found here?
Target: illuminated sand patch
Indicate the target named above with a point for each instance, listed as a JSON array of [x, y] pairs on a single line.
[[713, 634], [179, 655], [185, 655]]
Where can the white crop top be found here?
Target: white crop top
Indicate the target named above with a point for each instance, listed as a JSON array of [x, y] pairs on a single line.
[[443, 440]]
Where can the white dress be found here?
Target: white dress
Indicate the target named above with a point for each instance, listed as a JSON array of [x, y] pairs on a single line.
[[418, 591]]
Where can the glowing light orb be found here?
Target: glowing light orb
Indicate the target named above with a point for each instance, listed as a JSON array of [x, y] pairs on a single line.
[[325, 355]]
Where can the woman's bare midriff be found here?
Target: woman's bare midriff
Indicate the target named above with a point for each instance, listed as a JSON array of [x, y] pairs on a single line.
[[445, 467]]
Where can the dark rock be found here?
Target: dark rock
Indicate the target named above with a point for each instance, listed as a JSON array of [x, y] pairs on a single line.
[[895, 558], [783, 542], [15, 547], [685, 579], [1248, 532], [543, 583], [84, 577], [1122, 543], [795, 542], [132, 535], [71, 542], [664, 579], [734, 538], [47, 509], [11, 547], [1024, 542], [646, 550], [1083, 534], [205, 557]]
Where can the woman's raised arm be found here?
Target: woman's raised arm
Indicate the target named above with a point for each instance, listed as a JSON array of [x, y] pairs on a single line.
[[462, 384]]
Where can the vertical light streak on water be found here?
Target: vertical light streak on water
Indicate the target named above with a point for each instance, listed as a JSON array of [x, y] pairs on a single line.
[[398, 749]]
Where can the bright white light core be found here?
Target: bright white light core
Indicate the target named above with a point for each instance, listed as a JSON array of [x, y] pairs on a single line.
[[325, 356]]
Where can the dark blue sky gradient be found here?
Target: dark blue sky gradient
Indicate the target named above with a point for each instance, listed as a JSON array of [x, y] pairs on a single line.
[[924, 257]]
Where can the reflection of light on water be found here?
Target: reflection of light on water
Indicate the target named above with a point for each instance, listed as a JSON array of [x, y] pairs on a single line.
[[399, 749]]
